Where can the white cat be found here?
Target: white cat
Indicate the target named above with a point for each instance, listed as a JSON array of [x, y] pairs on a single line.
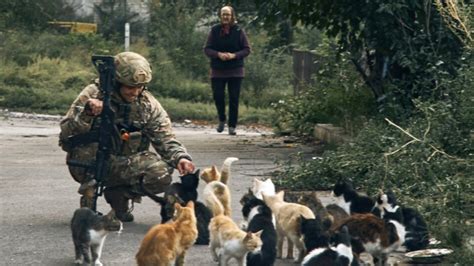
[[267, 187]]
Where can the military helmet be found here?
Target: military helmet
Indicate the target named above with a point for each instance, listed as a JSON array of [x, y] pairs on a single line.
[[132, 69]]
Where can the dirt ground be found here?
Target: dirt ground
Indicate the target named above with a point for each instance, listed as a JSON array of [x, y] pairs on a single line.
[[38, 197]]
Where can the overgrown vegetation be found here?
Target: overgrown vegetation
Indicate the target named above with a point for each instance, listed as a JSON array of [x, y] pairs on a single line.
[[415, 58]]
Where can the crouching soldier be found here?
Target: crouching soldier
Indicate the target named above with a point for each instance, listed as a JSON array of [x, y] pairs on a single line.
[[140, 121]]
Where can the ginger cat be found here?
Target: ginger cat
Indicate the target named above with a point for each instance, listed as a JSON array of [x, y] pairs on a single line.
[[231, 240], [164, 244], [216, 194], [288, 223], [212, 174]]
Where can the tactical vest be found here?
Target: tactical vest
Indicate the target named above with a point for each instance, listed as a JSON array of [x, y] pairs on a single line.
[[128, 138], [130, 122]]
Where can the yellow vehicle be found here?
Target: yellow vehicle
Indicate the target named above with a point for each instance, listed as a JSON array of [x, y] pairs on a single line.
[[75, 27]]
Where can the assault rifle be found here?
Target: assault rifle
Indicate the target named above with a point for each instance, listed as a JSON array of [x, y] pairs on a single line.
[[106, 130]]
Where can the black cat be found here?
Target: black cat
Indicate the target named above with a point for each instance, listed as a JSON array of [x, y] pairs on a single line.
[[315, 233], [351, 201], [89, 230], [181, 193], [260, 217]]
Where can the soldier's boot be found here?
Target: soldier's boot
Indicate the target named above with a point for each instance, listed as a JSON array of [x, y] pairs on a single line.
[[115, 196]]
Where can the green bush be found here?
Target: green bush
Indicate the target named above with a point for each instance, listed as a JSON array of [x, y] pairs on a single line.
[[336, 96], [426, 160], [45, 85]]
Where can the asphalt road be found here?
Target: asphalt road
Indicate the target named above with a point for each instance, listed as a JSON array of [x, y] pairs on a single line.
[[38, 196]]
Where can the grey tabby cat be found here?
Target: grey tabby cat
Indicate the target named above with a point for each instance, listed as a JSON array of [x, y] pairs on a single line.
[[89, 230]]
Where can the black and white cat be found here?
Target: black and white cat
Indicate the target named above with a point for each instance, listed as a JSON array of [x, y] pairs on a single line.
[[181, 193], [339, 254], [89, 231], [417, 235], [260, 217], [351, 201]]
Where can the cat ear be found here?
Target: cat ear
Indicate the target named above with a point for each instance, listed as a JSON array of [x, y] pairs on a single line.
[[177, 206], [280, 195], [248, 236], [257, 181], [259, 233], [190, 204], [214, 169], [344, 229]]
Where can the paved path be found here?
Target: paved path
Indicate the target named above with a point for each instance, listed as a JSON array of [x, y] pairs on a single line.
[[38, 197]]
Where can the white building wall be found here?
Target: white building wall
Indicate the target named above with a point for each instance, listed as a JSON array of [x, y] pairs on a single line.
[[86, 7]]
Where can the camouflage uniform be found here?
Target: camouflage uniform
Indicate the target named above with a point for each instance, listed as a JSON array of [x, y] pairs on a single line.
[[145, 122]]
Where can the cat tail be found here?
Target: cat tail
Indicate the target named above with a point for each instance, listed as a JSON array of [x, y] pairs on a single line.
[[225, 169], [155, 198], [216, 195]]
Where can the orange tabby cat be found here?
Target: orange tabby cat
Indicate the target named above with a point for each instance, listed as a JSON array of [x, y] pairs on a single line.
[[166, 243], [288, 223], [212, 174], [231, 240]]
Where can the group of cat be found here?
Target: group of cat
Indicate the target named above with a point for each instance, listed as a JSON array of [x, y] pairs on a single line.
[[338, 233], [356, 223], [335, 234]]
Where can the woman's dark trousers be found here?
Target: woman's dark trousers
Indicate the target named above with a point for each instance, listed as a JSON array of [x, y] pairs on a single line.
[[218, 92]]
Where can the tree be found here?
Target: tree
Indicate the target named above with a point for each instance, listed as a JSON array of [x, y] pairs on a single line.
[[113, 14], [401, 48]]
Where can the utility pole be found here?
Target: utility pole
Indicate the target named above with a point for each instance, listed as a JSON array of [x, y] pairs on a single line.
[[127, 36], [127, 27]]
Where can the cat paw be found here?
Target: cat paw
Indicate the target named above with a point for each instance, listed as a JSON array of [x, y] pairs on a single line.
[[98, 263], [78, 261]]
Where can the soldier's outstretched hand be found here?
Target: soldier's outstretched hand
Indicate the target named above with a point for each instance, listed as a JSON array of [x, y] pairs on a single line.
[[185, 166]]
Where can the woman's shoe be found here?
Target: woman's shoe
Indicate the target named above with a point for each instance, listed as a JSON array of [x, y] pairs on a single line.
[[220, 127]]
